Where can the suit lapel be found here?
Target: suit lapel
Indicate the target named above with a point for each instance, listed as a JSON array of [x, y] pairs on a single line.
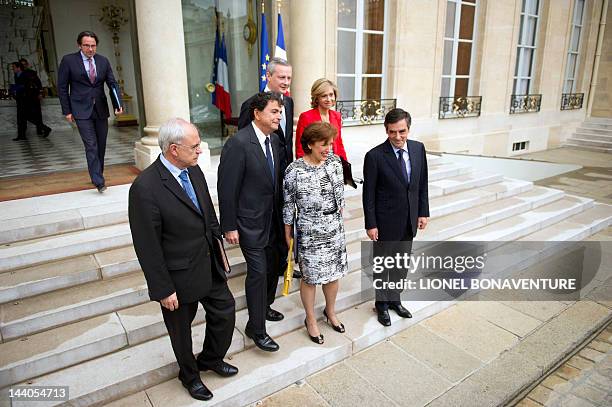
[[413, 156], [261, 157], [392, 161], [171, 183], [198, 185], [81, 65]]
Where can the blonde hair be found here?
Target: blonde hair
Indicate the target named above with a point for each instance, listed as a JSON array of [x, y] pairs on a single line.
[[316, 91]]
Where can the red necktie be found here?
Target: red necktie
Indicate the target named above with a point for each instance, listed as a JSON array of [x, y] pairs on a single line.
[[92, 71]]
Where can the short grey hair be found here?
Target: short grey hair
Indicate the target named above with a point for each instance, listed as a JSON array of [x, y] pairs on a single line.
[[276, 61], [172, 132]]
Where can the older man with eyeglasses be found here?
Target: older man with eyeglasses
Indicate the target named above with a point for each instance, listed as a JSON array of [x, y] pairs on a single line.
[[178, 242]]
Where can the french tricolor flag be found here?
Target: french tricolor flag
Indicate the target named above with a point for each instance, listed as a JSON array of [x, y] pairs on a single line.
[[222, 98]]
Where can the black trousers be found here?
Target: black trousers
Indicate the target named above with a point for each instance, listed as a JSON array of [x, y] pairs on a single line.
[[93, 132], [220, 320], [28, 110], [261, 281], [386, 297]]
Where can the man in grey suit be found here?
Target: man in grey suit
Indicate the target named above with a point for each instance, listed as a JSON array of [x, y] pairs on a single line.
[[395, 201], [250, 200], [80, 82]]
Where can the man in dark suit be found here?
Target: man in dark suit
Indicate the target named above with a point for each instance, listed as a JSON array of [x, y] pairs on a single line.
[[395, 200], [80, 83], [177, 239], [27, 94], [278, 75], [37, 95], [250, 201]]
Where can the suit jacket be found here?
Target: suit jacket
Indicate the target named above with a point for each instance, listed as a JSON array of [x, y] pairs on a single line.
[[386, 199], [286, 140], [173, 241], [247, 196], [311, 116], [77, 94]]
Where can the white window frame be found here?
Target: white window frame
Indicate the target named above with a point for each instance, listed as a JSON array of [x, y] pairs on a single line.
[[521, 61], [359, 40], [456, 40], [571, 76]]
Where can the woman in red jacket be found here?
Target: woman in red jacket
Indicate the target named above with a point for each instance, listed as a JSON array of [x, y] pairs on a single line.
[[323, 94]]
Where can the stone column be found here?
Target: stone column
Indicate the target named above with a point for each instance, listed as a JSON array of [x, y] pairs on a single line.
[[164, 74], [307, 50]]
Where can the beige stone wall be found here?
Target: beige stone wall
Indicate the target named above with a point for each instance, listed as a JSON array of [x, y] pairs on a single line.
[[602, 100], [415, 30]]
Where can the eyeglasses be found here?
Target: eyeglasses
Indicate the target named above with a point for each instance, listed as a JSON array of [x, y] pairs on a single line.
[[192, 148]]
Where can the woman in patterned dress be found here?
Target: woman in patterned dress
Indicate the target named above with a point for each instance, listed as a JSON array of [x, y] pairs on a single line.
[[314, 194]]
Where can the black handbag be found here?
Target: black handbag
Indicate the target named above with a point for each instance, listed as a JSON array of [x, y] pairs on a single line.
[[347, 173]]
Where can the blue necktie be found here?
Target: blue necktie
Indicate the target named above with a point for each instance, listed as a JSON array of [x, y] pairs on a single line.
[[402, 164], [186, 183], [269, 158]]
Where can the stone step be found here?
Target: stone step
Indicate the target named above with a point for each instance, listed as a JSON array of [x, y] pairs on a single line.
[[31, 315], [144, 322], [73, 343], [592, 136], [132, 369], [55, 275], [36, 314], [444, 205], [576, 227], [527, 222], [599, 122], [590, 142], [38, 251], [461, 182], [592, 130], [581, 146], [51, 220], [488, 214], [363, 331]]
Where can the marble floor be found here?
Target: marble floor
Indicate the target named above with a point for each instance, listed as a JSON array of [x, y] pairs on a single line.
[[62, 150]]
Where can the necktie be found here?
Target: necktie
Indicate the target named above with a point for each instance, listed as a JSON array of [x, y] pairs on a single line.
[[92, 71], [269, 158], [186, 183], [402, 164]]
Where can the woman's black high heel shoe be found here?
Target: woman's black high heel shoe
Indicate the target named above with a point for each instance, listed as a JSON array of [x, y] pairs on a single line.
[[316, 339], [337, 328]]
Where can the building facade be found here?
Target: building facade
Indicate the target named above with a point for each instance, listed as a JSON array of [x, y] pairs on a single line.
[[488, 77]]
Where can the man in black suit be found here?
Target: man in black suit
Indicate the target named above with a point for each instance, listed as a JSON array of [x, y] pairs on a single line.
[[395, 200], [27, 94], [36, 91], [278, 74], [80, 83], [176, 236], [250, 201]]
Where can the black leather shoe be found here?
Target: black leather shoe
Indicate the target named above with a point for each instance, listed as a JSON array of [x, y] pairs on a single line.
[[221, 368], [384, 318], [273, 315], [101, 188], [401, 311], [198, 391], [18, 138], [46, 131], [263, 341]]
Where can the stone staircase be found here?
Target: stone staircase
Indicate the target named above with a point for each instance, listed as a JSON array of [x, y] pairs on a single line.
[[595, 134], [74, 308]]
